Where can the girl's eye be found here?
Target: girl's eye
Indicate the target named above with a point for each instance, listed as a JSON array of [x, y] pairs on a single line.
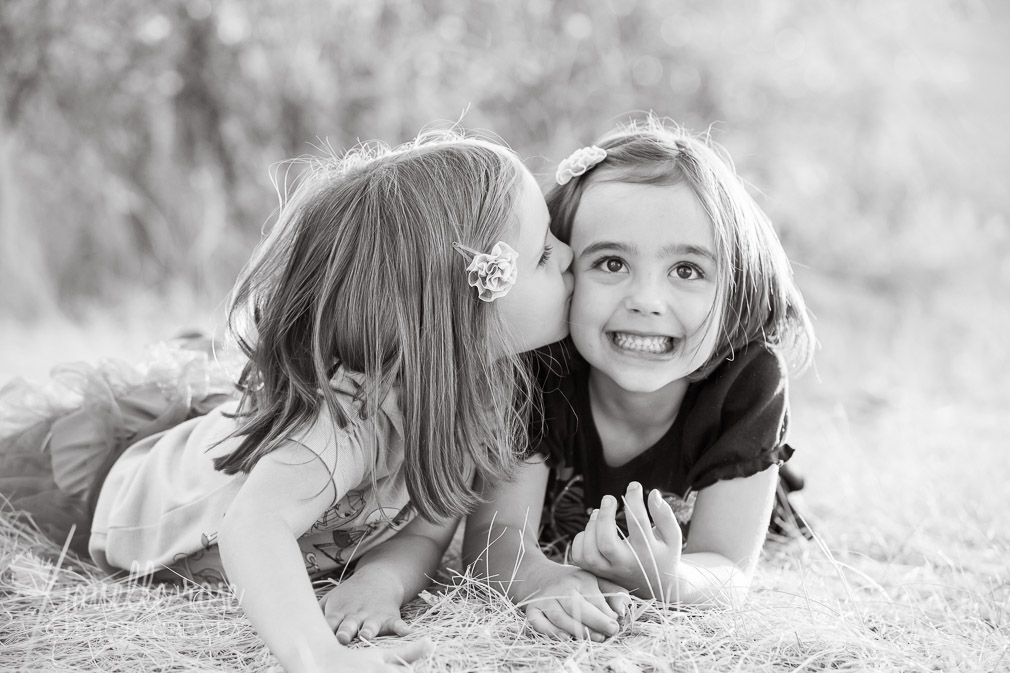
[[548, 249], [609, 265], [613, 265], [687, 272]]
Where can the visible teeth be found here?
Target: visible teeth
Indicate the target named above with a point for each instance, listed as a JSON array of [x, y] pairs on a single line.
[[656, 344]]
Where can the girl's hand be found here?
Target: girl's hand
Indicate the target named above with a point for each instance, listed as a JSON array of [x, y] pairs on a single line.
[[364, 605], [647, 561], [566, 602]]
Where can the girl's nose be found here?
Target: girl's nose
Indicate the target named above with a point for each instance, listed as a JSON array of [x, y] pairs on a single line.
[[645, 297]]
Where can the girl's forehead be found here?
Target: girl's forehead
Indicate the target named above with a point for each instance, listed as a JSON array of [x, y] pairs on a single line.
[[651, 216], [623, 189]]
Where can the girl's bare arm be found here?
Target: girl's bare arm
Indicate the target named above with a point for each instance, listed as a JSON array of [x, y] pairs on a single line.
[[284, 494], [500, 545], [728, 528]]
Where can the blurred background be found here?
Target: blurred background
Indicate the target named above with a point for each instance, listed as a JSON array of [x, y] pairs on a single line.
[[137, 138]]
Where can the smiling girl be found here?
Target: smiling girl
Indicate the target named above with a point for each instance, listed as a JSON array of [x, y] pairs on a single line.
[[671, 418]]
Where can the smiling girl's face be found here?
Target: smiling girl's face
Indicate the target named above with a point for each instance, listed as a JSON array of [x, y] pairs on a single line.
[[645, 284]]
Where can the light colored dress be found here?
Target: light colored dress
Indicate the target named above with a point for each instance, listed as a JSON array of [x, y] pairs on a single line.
[[161, 505]]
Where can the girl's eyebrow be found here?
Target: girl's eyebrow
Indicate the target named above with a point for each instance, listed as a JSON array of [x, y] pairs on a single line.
[[675, 249], [599, 246], [671, 250]]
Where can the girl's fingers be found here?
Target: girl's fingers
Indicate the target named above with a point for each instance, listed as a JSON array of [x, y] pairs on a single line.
[[407, 652], [600, 602], [399, 627], [595, 615], [589, 549], [639, 528], [608, 536], [577, 554], [570, 625], [347, 630], [334, 619], [591, 555], [617, 597], [538, 620], [667, 526], [370, 628]]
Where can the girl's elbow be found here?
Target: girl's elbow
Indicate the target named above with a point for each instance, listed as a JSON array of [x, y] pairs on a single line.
[[722, 584], [737, 586]]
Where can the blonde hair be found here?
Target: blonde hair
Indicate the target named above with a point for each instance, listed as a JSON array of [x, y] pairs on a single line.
[[757, 297], [360, 269]]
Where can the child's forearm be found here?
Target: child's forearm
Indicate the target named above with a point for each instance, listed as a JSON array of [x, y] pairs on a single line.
[[703, 579], [265, 565], [500, 544], [504, 556], [409, 560]]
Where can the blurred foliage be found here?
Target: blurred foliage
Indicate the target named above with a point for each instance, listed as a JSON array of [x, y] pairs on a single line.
[[136, 137]]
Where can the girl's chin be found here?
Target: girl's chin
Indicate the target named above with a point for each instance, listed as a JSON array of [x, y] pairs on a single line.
[[640, 376], [643, 385]]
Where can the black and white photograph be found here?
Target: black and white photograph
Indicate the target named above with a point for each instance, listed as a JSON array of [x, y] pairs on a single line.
[[448, 336]]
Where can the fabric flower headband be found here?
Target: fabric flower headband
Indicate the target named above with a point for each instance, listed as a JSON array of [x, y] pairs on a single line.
[[492, 274], [580, 161]]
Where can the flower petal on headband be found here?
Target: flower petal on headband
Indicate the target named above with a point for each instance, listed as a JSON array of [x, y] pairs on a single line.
[[494, 274], [580, 161]]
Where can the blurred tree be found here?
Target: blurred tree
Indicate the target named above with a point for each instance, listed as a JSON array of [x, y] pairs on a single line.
[[136, 135], [26, 34]]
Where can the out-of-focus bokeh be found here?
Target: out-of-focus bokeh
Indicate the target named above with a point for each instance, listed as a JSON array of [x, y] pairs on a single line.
[[137, 137]]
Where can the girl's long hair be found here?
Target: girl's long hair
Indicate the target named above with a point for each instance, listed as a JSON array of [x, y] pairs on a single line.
[[360, 270], [757, 297]]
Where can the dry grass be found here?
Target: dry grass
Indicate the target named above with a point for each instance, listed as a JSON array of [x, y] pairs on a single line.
[[810, 610]]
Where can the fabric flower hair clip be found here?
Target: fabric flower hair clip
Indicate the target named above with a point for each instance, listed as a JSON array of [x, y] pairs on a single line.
[[494, 273], [580, 161]]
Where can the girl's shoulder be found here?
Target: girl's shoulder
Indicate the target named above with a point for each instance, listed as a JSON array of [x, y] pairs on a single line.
[[370, 433], [757, 365], [752, 379]]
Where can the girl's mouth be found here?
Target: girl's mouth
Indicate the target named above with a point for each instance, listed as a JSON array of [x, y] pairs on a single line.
[[637, 343]]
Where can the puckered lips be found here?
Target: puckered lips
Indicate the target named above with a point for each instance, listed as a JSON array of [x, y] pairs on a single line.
[[643, 345]]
